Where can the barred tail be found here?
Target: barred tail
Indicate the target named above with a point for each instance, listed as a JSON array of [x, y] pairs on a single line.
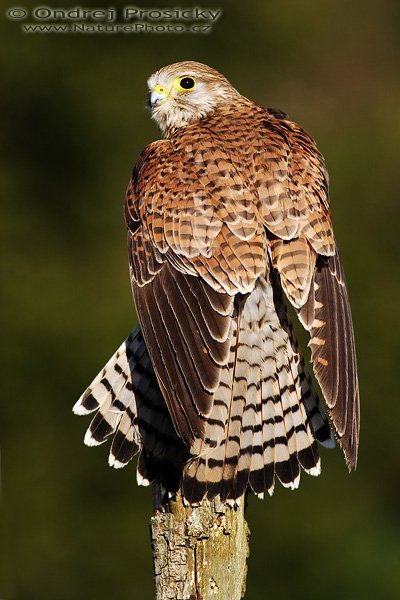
[[266, 414], [264, 422], [130, 408]]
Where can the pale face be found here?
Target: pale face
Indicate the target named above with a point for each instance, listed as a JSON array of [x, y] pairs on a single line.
[[185, 92]]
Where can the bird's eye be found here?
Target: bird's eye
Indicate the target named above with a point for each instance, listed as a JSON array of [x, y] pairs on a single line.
[[185, 83]]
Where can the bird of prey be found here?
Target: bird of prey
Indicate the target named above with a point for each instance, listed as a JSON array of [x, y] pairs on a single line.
[[228, 224]]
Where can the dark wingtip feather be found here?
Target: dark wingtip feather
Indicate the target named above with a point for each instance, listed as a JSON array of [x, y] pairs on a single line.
[[333, 354], [349, 443]]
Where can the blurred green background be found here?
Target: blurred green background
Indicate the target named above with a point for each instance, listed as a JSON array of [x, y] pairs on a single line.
[[74, 123]]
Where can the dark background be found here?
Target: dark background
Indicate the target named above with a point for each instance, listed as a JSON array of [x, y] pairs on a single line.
[[73, 125]]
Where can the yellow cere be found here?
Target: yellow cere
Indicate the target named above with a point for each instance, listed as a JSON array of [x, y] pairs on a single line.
[[160, 89]]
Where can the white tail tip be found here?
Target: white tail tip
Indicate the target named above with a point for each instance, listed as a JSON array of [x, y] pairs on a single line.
[[292, 485], [314, 471], [142, 480], [116, 464], [89, 440], [79, 409]]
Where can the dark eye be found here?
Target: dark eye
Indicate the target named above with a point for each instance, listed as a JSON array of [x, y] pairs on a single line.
[[187, 83]]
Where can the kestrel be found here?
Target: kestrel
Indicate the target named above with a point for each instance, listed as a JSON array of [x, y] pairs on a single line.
[[228, 223]]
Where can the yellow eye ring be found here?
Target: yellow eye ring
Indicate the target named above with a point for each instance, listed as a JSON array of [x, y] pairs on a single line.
[[185, 84]]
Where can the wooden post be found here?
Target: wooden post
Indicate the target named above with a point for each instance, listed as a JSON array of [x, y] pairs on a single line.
[[200, 550]]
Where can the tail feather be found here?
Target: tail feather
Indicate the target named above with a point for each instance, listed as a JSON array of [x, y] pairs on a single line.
[[131, 408], [263, 424], [286, 399], [110, 394], [266, 412], [125, 443]]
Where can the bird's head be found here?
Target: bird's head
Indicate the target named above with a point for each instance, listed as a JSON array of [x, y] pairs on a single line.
[[185, 92]]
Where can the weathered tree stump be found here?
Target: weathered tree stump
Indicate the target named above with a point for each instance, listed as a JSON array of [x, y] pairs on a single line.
[[200, 551]]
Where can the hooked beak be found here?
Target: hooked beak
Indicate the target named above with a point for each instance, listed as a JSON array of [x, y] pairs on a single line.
[[156, 96]]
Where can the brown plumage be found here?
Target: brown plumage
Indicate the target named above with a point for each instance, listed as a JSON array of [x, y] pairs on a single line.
[[224, 215]]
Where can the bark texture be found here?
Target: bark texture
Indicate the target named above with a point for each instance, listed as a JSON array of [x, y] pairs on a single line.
[[200, 551]]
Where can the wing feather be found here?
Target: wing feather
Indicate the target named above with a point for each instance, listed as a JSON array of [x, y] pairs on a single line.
[[295, 190], [333, 353], [186, 331]]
